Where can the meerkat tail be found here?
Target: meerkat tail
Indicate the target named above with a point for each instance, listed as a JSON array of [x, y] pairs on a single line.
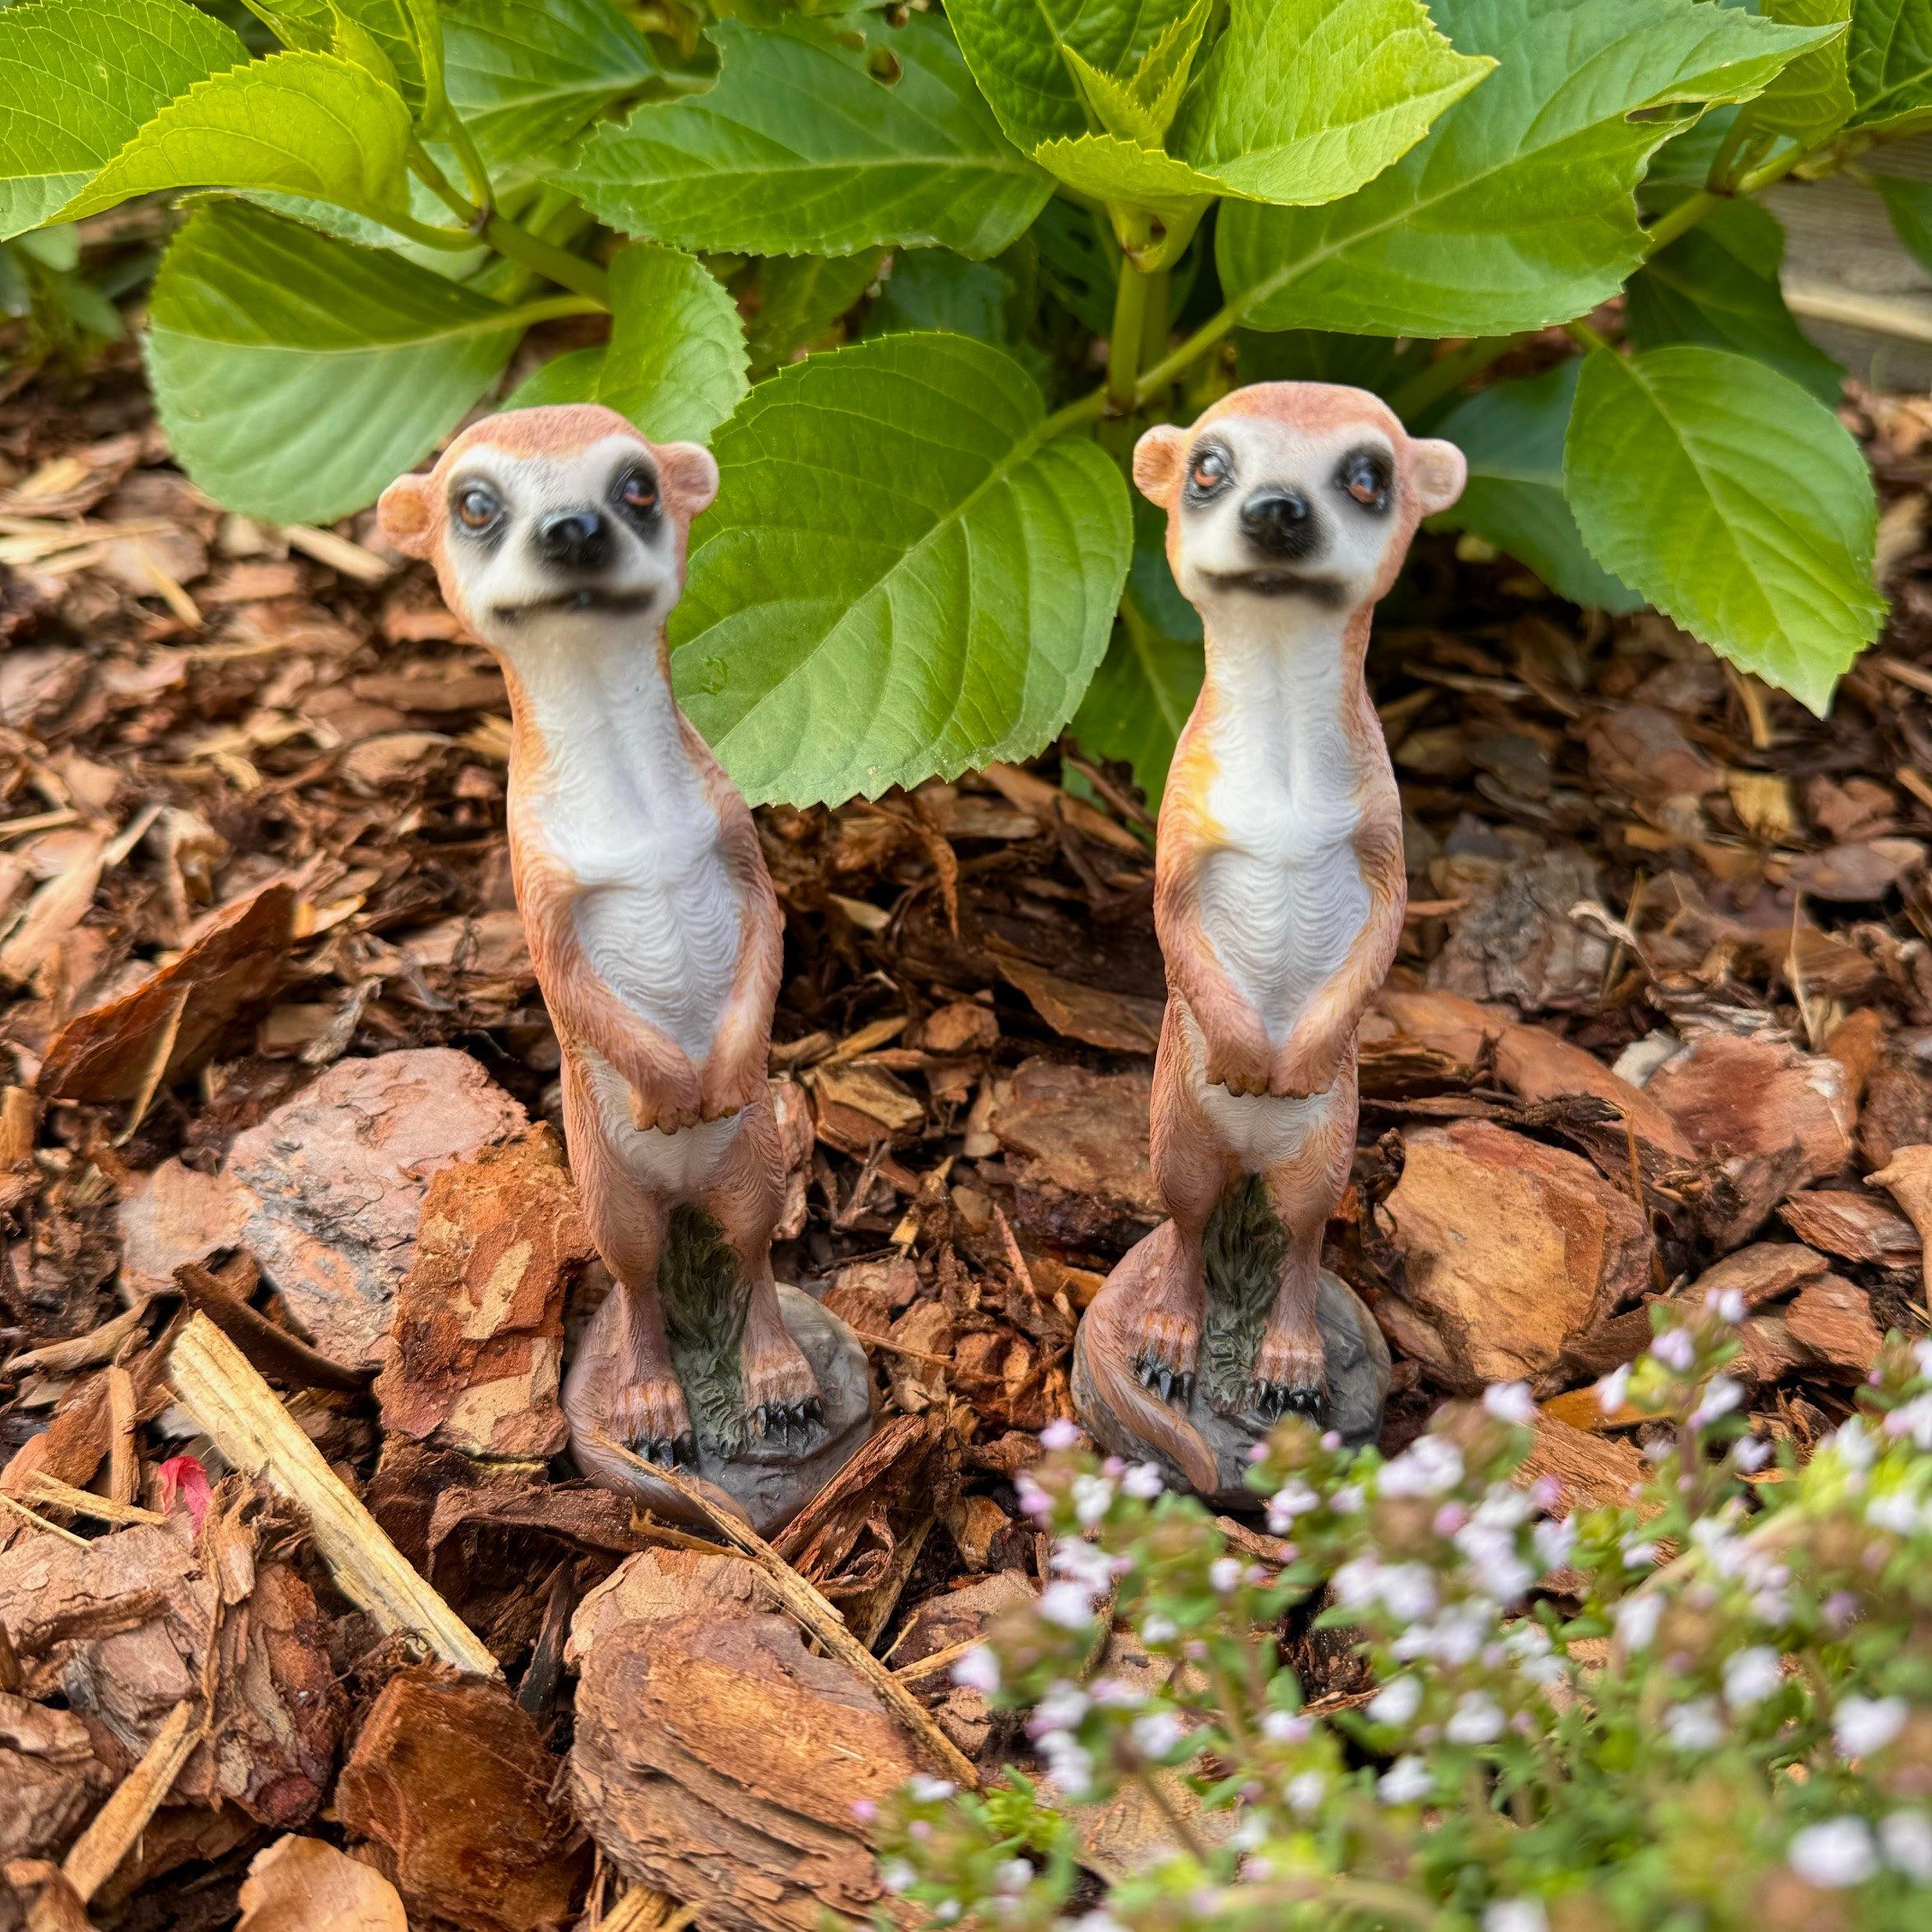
[[702, 1285], [1242, 1249], [1143, 1421]]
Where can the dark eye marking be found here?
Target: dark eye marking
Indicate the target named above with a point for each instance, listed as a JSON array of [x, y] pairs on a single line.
[[1208, 473], [477, 508], [1367, 476], [635, 493]]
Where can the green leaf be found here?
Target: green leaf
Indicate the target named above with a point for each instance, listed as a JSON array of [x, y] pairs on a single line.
[[77, 78], [298, 123], [1146, 686], [1718, 284], [1016, 50], [931, 288], [1811, 99], [1517, 208], [1512, 434], [529, 75], [1141, 106], [1736, 503], [405, 34], [1889, 60], [1299, 102], [676, 361], [1909, 205], [296, 375], [905, 573], [800, 149], [800, 297]]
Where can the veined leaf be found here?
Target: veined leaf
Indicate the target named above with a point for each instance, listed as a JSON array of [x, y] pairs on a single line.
[[296, 375], [1811, 99], [904, 573], [1517, 208], [931, 287], [800, 297], [1736, 503], [800, 149], [1718, 284], [1141, 106], [406, 32], [77, 78], [1889, 61], [298, 123], [1299, 102], [1017, 52], [1146, 686], [676, 363], [1512, 433], [528, 76]]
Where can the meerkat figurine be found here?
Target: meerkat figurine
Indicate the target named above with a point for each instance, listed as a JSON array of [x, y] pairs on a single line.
[[559, 537], [1279, 895]]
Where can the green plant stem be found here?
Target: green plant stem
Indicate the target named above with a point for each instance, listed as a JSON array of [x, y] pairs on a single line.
[[1585, 337], [1125, 339], [1677, 221], [504, 235], [475, 175], [1177, 361]]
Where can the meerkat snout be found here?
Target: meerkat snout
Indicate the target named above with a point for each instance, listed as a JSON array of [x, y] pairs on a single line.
[[574, 540], [1281, 523]]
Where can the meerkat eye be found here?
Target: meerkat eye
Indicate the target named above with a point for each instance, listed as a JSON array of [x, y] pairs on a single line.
[[637, 491], [1208, 473], [478, 507], [1364, 474]]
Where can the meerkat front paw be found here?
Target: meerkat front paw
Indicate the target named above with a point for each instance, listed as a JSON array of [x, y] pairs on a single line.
[[650, 1416], [1290, 1378], [781, 1393], [1166, 1353]]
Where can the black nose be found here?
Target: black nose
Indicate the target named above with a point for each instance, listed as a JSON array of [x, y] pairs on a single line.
[[578, 539], [1280, 523]]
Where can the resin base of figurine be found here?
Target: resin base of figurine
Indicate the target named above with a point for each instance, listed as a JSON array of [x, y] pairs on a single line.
[[1197, 1446], [769, 1478]]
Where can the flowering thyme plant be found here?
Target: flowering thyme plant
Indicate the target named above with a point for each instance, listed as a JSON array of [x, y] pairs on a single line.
[[1733, 1729]]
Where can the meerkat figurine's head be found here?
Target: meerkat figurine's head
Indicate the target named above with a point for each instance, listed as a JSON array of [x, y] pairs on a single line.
[[549, 521], [1293, 495]]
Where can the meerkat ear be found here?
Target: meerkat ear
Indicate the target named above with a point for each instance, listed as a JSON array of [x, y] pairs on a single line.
[[690, 474], [402, 514], [1439, 470], [1156, 459]]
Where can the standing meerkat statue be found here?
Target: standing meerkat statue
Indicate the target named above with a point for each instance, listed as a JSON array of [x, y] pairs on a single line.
[[1279, 895], [559, 537]]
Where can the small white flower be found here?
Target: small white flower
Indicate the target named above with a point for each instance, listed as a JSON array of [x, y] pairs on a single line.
[[1476, 1720], [1430, 1466], [930, 1790], [1675, 1350], [1510, 1402], [1722, 1393], [1751, 1454], [1835, 1854], [1062, 1706], [1059, 1434], [1094, 1922], [1636, 1620], [1156, 1733], [1294, 1498], [1141, 1481], [1853, 1443], [1492, 1552], [1408, 1590], [1086, 1563], [1014, 1875], [1612, 1389], [1695, 1725], [1515, 1915], [1407, 1780], [1033, 1499], [1905, 1837], [1224, 1576], [1110, 1694], [1556, 1541], [1896, 1511], [1638, 1554], [978, 1670], [1285, 1727], [1158, 1629], [1346, 1500], [1093, 1497], [1305, 1791], [1866, 1725], [1068, 1762], [1066, 1605], [897, 1875], [1397, 1701], [1751, 1676], [1727, 1303]]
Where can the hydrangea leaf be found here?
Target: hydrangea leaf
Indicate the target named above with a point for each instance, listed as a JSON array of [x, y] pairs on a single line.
[[1811, 99], [1512, 434], [1517, 208], [1735, 502], [1889, 59], [905, 573], [295, 124], [801, 148], [78, 78], [296, 374]]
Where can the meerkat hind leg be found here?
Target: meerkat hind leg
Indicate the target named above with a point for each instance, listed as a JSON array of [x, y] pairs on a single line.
[[1290, 1372]]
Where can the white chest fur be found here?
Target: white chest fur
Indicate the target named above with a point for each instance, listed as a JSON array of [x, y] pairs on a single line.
[[618, 805], [1283, 899]]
